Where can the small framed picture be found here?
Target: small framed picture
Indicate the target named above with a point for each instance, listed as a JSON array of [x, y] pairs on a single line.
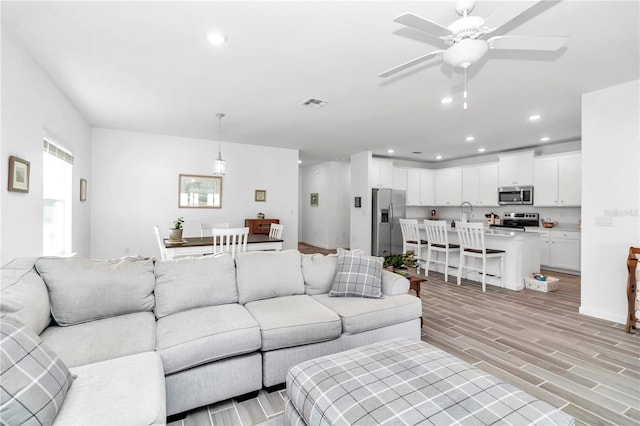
[[314, 199], [83, 189], [18, 174], [261, 195]]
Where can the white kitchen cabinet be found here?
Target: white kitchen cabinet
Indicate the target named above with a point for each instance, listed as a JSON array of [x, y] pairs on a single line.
[[544, 248], [381, 173], [564, 250], [557, 180], [448, 187], [399, 179], [420, 187], [515, 169], [480, 184]]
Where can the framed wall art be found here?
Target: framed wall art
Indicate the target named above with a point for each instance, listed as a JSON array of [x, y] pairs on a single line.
[[18, 174], [83, 189], [198, 191], [261, 195], [314, 199]]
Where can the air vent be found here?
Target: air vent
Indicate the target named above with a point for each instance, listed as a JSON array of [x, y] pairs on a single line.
[[417, 152], [315, 103]]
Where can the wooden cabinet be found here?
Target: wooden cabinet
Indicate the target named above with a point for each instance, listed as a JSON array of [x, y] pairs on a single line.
[[381, 173], [448, 187], [557, 180], [480, 184], [515, 169], [259, 226], [420, 187]]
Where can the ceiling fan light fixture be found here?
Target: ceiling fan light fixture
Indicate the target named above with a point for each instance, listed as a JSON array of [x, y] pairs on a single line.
[[219, 165], [465, 53]]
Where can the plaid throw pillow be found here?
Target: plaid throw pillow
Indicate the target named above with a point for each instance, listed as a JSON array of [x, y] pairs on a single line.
[[358, 276], [34, 380]]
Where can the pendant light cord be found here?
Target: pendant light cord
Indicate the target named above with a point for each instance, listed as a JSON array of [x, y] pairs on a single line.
[[219, 115]]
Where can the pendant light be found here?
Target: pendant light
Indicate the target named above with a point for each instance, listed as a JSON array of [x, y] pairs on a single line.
[[219, 164]]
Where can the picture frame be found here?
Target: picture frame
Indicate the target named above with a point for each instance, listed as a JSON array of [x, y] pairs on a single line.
[[19, 170], [199, 191], [83, 189], [314, 199], [261, 195]]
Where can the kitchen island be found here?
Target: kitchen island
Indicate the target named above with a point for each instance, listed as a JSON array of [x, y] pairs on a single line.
[[522, 257]]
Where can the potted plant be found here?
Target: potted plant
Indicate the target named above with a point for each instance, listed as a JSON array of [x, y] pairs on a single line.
[[398, 263], [175, 233]]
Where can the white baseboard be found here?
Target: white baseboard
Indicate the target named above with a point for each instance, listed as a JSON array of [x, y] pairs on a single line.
[[620, 319]]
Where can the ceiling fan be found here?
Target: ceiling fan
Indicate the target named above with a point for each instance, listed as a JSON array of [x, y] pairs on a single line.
[[465, 36]]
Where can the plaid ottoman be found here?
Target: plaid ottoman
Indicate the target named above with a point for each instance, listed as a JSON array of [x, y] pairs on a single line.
[[402, 381]]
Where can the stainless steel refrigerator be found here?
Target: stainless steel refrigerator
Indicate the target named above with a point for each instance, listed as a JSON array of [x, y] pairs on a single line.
[[388, 205]]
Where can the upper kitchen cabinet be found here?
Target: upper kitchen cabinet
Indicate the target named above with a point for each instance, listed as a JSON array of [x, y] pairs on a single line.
[[557, 180], [448, 187], [399, 179], [381, 173], [515, 169], [420, 191], [480, 184]]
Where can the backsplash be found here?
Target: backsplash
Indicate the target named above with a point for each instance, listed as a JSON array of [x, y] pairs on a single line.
[[567, 217]]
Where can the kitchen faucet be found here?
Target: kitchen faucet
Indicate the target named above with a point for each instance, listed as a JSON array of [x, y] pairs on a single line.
[[463, 216]]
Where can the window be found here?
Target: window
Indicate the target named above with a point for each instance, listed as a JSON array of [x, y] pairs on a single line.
[[57, 167]]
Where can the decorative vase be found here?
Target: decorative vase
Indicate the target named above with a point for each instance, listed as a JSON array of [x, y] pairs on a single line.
[[175, 234]]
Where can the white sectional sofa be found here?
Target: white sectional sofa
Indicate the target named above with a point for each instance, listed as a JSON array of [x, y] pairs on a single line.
[[190, 332]]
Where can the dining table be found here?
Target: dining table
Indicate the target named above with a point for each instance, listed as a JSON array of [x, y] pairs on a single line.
[[197, 246]]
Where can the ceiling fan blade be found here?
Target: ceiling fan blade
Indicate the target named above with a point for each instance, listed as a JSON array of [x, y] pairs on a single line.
[[411, 63], [422, 24], [506, 13], [550, 43]]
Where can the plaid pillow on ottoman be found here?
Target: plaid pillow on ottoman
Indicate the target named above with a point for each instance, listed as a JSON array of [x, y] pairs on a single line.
[[358, 276], [34, 380]]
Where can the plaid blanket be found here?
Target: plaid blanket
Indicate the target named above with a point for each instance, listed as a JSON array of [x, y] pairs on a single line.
[[402, 381]]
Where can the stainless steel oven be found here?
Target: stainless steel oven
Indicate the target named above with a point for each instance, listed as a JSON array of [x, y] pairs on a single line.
[[509, 195]]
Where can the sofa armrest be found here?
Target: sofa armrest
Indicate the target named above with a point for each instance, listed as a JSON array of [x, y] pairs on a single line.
[[394, 284]]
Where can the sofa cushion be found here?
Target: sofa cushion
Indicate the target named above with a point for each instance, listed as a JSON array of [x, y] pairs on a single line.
[[194, 282], [362, 314], [122, 391], [293, 320], [23, 295], [266, 274], [318, 272], [202, 335], [358, 276], [102, 339], [34, 379], [84, 290]]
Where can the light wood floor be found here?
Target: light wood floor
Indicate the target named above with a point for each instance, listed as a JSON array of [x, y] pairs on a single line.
[[536, 341]]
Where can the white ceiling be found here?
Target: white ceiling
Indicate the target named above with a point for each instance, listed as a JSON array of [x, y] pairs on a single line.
[[147, 66]]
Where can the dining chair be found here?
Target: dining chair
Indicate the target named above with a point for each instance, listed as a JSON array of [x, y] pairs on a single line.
[[411, 240], [471, 236], [438, 242], [163, 249], [231, 240], [205, 228], [276, 231]]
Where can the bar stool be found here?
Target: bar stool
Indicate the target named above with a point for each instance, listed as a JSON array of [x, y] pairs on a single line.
[[471, 236], [411, 238], [438, 241]]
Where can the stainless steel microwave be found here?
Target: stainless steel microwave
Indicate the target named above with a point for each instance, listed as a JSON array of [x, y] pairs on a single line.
[[509, 195]]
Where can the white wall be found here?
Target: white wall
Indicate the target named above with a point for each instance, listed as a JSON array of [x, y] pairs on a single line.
[[610, 197], [360, 218], [326, 225], [135, 186], [32, 105]]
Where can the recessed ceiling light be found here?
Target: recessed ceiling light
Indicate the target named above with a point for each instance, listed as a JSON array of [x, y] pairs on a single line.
[[545, 139], [481, 149], [534, 117], [438, 157], [446, 100], [390, 151], [469, 138], [299, 161], [216, 39]]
